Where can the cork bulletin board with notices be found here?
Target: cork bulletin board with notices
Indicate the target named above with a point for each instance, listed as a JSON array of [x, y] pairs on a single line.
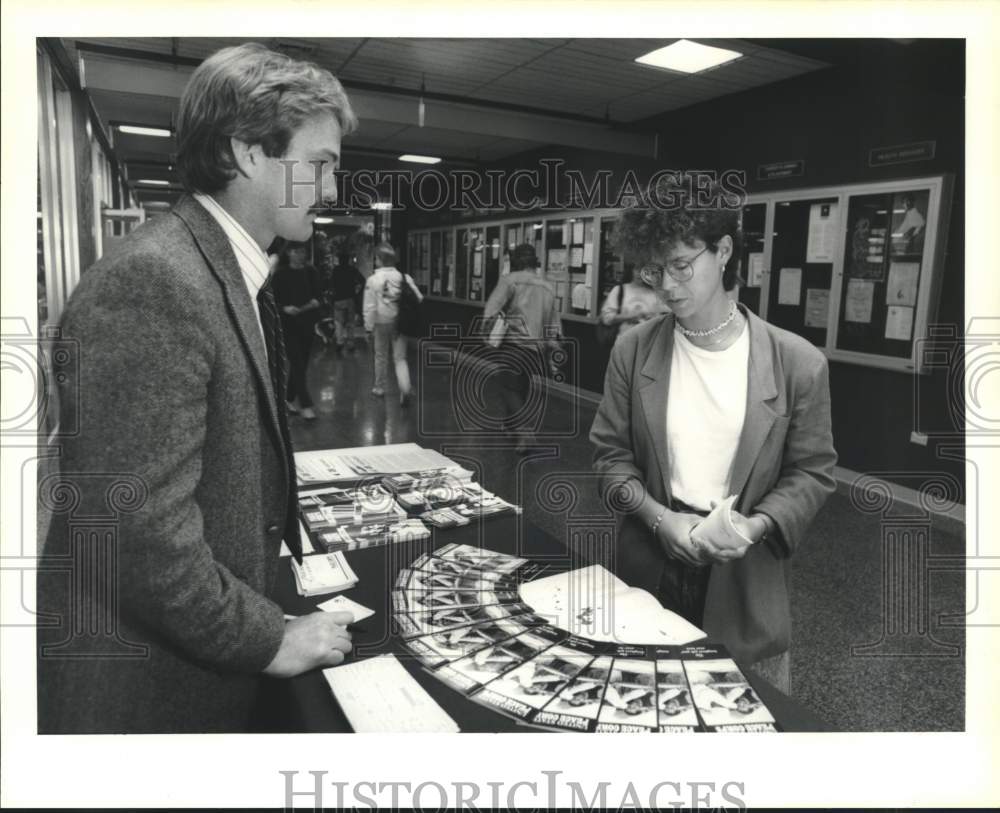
[[854, 269]]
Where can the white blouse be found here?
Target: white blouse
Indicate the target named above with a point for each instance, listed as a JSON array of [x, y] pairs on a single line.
[[706, 407]]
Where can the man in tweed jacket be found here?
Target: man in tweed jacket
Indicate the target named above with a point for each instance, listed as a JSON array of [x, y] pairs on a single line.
[[176, 407]]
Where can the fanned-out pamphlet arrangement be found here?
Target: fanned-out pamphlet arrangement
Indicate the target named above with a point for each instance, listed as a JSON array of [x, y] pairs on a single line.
[[359, 498], [577, 651]]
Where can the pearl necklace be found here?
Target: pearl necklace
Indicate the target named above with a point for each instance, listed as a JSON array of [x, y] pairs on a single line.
[[712, 330]]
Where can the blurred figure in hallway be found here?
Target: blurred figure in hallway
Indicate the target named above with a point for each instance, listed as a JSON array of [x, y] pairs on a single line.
[[346, 283], [381, 309], [298, 293], [528, 304]]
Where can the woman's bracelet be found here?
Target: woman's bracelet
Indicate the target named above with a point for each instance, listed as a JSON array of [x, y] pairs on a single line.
[[658, 520]]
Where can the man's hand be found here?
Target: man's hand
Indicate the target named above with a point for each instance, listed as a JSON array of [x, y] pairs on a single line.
[[674, 536], [317, 640]]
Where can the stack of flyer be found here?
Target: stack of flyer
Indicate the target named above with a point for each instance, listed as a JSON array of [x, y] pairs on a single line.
[[323, 573], [348, 519], [370, 496], [349, 466], [327, 508], [467, 503], [454, 476]]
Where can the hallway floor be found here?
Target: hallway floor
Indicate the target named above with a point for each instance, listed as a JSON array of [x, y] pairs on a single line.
[[912, 682]]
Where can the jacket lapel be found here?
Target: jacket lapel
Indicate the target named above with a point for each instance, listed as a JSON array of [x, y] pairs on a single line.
[[218, 253], [653, 394], [761, 389]]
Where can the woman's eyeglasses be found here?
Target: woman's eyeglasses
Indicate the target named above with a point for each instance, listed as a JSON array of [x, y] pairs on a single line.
[[679, 269]]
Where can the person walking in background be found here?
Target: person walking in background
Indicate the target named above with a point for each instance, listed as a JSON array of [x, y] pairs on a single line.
[[528, 304], [298, 292], [381, 311], [634, 301], [346, 282]]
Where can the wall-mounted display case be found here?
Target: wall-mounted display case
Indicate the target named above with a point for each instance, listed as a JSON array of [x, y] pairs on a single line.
[[856, 269], [570, 248]]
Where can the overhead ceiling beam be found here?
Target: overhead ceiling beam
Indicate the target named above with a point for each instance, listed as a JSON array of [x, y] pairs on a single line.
[[166, 77], [502, 124], [104, 73], [350, 84]]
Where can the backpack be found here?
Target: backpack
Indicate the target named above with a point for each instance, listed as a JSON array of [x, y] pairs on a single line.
[[411, 318]]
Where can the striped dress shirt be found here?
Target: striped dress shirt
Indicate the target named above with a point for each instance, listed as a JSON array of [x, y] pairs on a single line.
[[252, 260]]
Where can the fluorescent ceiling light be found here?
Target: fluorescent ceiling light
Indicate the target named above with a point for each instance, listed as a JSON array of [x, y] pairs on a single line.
[[687, 57], [159, 132], [323, 221], [151, 182], [420, 159], [382, 205]]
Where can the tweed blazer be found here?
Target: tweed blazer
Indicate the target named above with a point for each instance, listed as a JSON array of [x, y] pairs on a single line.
[[173, 402], [783, 467]]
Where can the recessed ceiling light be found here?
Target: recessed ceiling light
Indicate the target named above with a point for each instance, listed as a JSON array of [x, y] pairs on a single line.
[[688, 57], [420, 159], [152, 182], [132, 129]]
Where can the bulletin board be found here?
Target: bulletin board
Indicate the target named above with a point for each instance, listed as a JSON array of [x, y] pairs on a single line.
[[855, 269], [882, 270], [804, 241], [753, 221]]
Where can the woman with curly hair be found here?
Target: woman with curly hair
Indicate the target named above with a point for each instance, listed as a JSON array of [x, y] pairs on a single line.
[[705, 403]]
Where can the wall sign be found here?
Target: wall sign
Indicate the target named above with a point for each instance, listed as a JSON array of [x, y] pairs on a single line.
[[781, 169], [902, 153]]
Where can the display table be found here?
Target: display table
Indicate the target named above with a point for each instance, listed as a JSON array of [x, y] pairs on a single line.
[[307, 702]]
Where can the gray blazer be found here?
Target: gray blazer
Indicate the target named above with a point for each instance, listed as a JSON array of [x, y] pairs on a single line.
[[783, 468], [174, 400]]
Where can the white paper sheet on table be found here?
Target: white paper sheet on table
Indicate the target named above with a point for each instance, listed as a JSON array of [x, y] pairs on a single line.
[[331, 465], [594, 603], [379, 695]]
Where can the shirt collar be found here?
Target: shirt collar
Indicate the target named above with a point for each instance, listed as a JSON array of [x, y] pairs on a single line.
[[253, 262]]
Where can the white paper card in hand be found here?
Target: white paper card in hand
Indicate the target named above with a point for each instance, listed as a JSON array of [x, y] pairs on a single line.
[[379, 695], [323, 573], [339, 604], [719, 528]]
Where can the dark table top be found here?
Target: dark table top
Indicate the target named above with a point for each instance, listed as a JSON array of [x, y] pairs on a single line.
[[307, 701]]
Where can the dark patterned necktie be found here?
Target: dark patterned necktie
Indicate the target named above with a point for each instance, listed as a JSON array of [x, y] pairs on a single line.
[[277, 364]]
